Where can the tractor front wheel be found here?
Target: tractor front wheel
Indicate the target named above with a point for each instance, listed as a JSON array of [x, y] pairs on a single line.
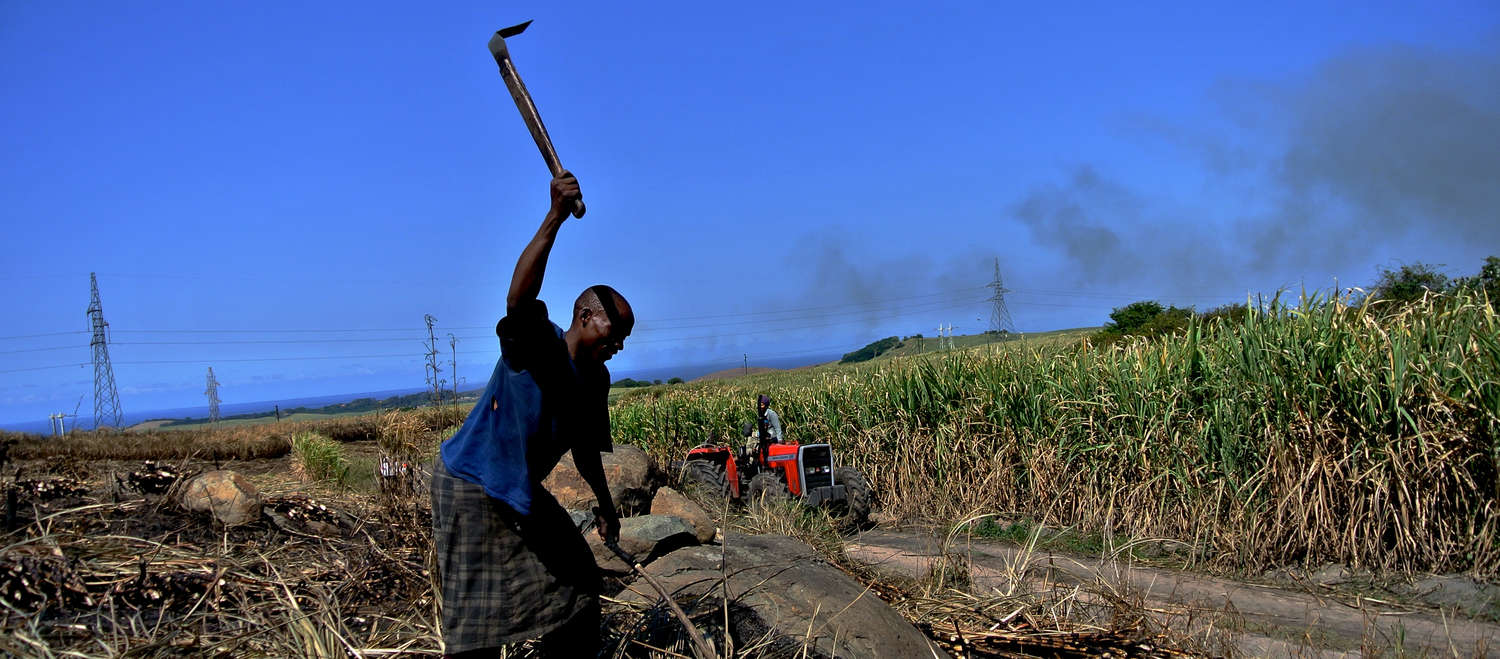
[[705, 480], [859, 501], [765, 487]]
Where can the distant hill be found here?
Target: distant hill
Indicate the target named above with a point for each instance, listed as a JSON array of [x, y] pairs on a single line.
[[920, 345], [731, 373], [907, 346], [353, 407]]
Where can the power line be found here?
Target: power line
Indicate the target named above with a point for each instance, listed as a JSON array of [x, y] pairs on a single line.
[[13, 352], [804, 327], [764, 324], [392, 339], [408, 355], [882, 301], [43, 368], [748, 317], [1115, 296], [751, 315], [146, 362], [35, 336], [280, 331], [260, 359], [904, 309]]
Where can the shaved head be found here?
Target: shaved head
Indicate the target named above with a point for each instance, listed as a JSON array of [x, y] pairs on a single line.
[[594, 297], [602, 318]]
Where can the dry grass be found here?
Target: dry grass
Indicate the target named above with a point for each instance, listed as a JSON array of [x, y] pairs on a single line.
[[241, 442], [148, 580], [246, 443]]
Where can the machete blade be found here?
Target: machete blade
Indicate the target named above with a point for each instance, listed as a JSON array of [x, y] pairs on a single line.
[[513, 30]]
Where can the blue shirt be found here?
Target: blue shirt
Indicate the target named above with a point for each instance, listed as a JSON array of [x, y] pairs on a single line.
[[538, 405]]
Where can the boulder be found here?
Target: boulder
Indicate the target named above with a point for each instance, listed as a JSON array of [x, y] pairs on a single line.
[[777, 583], [628, 471], [231, 498], [644, 538], [671, 502], [1333, 574], [583, 519], [1457, 591]]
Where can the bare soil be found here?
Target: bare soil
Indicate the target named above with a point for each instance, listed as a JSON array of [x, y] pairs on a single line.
[[1229, 617]]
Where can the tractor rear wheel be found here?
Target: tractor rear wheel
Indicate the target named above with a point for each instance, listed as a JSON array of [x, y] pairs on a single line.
[[860, 498], [705, 480], [765, 487]]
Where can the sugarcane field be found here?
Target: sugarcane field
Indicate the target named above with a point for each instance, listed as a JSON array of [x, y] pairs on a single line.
[[785, 330]]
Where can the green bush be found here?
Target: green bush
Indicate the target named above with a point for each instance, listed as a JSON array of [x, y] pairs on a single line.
[[1173, 320], [1410, 283], [1228, 313], [1132, 317], [1487, 282], [1146, 318], [320, 457], [359, 474]]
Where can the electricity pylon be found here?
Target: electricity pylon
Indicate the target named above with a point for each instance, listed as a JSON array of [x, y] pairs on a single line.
[[213, 397], [1000, 321], [433, 380], [453, 363], [106, 398]]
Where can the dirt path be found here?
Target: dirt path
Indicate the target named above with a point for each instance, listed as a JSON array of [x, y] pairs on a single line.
[[1251, 619]]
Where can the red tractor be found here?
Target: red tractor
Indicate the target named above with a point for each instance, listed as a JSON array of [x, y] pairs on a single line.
[[767, 470]]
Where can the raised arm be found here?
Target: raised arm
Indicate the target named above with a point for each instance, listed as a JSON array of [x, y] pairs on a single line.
[[526, 283]]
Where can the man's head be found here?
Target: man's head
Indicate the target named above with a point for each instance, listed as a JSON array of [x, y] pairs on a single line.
[[762, 403], [601, 321]]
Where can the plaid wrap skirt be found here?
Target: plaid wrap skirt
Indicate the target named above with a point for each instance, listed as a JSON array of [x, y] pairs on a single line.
[[506, 577]]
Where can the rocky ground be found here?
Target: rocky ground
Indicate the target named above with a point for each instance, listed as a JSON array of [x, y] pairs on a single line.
[[246, 559]]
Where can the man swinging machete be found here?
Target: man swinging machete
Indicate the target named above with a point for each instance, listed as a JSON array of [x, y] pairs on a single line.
[[512, 563]]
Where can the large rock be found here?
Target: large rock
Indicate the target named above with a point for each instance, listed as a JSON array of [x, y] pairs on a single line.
[[627, 470], [644, 538], [671, 502], [231, 498], [777, 583], [1457, 591]]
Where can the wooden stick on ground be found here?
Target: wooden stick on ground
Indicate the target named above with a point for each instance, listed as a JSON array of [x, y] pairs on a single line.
[[701, 648]]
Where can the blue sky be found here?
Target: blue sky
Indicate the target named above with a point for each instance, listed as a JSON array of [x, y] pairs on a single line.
[[282, 192]]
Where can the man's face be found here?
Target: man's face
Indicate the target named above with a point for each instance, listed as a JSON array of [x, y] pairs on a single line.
[[761, 405], [605, 337]]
